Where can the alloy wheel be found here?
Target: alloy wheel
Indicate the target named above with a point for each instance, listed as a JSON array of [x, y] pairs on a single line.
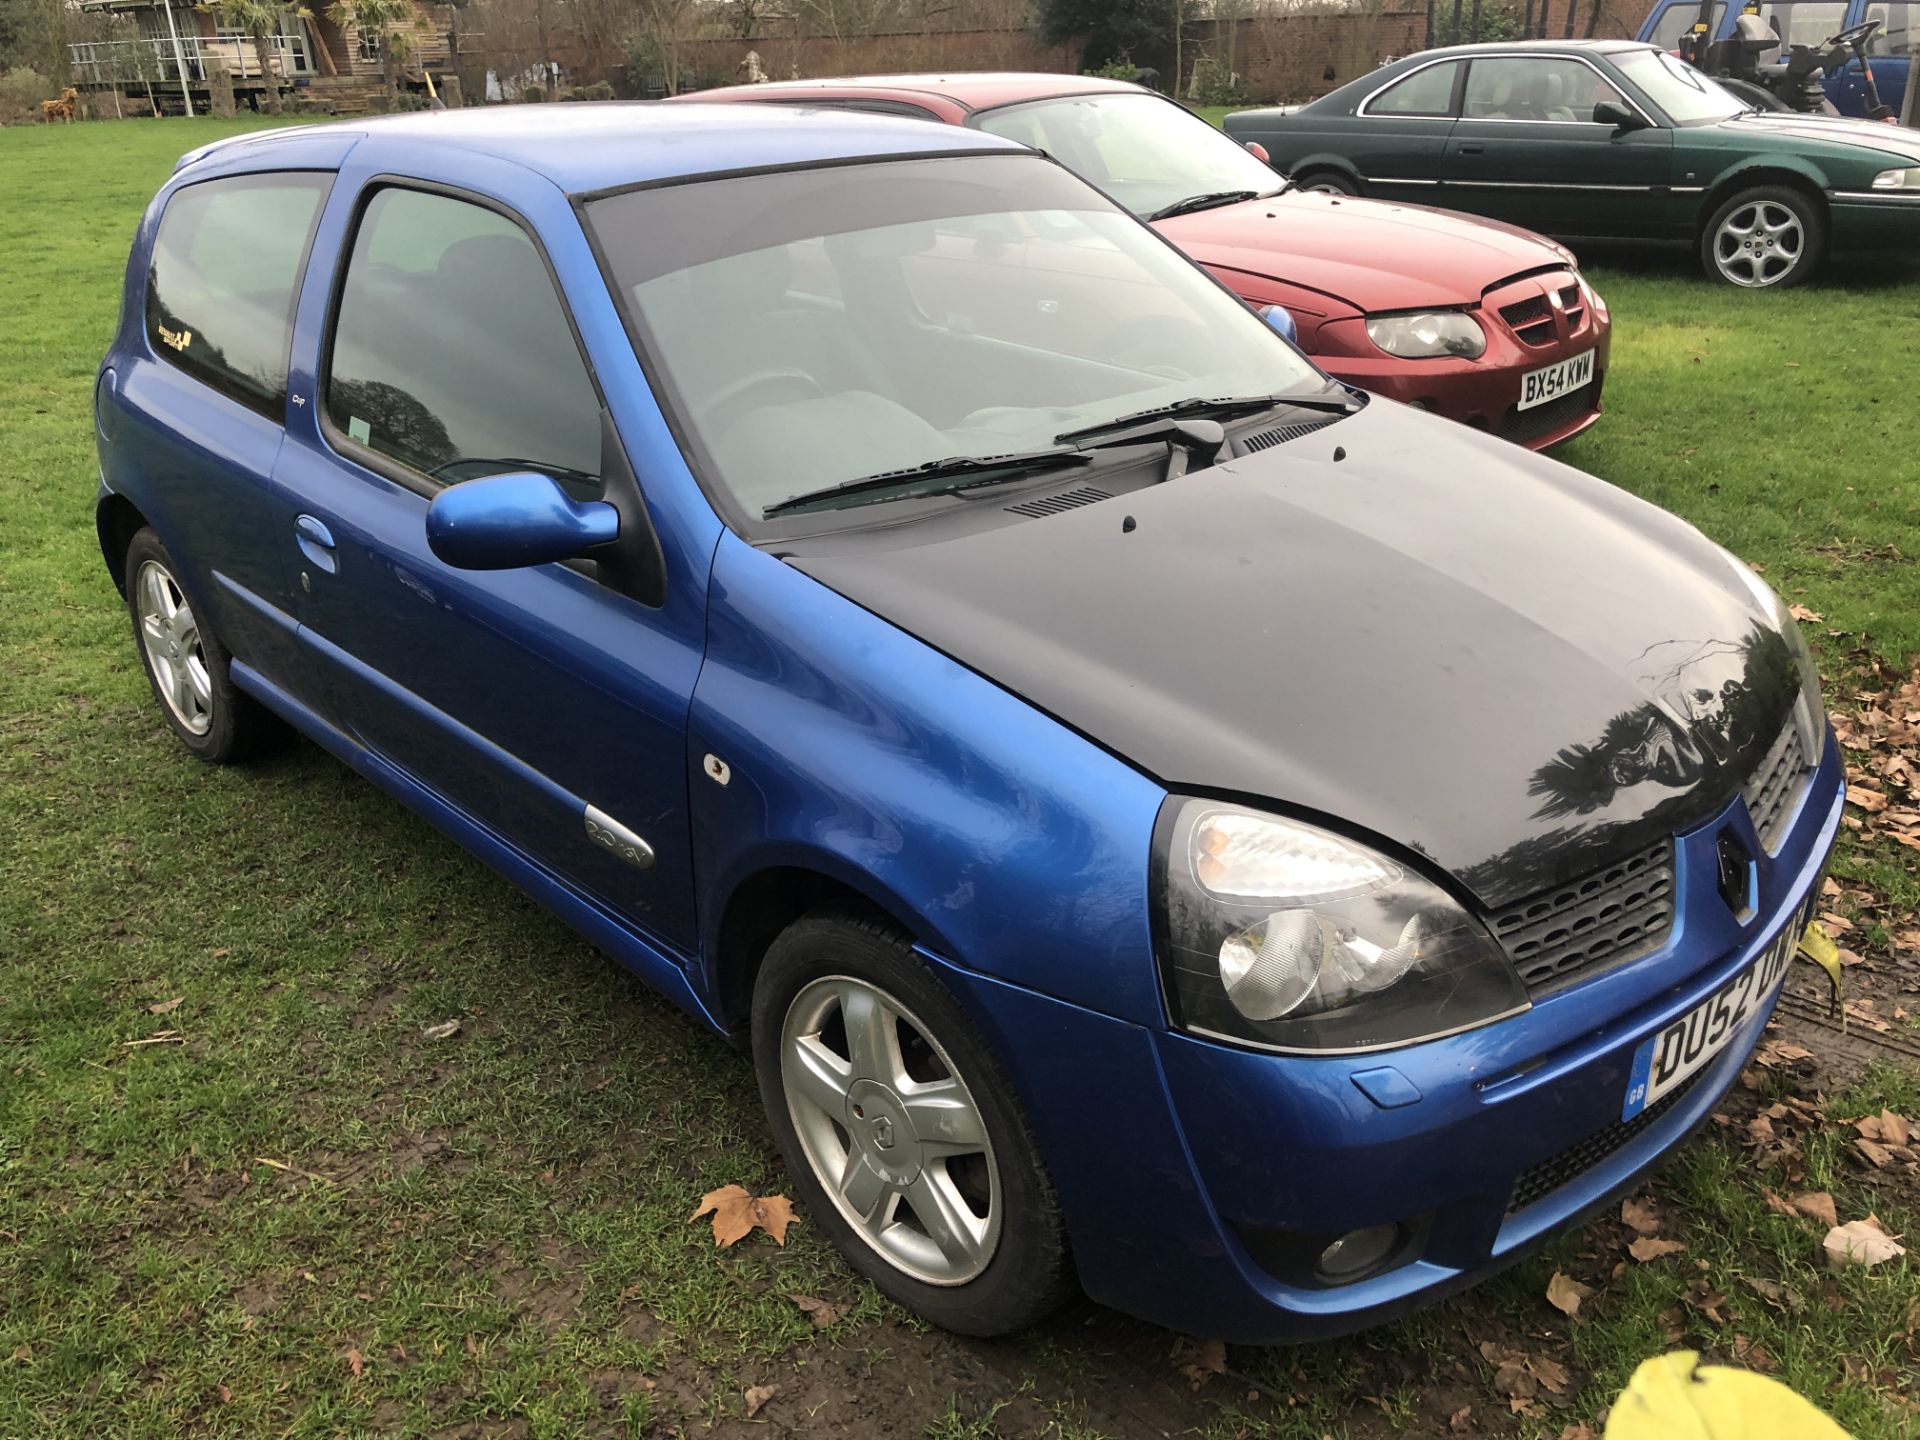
[[1759, 244], [170, 636], [891, 1130]]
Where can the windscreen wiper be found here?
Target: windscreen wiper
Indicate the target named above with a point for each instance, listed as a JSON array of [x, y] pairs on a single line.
[[932, 477], [1220, 407], [1203, 202]]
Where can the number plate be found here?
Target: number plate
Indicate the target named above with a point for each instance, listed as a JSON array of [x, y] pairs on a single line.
[[1684, 1046], [1550, 382]]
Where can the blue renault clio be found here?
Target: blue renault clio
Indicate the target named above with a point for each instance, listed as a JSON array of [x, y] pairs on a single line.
[[1160, 821]]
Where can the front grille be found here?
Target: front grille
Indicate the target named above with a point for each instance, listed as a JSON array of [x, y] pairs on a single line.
[[1280, 434], [1575, 307], [1611, 915], [1535, 1184], [1524, 427], [1773, 788], [1531, 319], [1054, 504]]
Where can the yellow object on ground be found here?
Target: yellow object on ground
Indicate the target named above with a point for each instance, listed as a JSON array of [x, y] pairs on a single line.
[[1818, 947], [1675, 1397]]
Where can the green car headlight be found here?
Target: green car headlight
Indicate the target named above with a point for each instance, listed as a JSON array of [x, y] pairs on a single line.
[[1427, 336], [1908, 179]]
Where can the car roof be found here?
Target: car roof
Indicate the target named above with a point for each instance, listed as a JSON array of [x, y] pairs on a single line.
[[974, 91], [607, 144], [1590, 47]]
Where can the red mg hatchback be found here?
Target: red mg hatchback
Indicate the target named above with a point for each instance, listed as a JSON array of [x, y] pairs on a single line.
[[1481, 322]]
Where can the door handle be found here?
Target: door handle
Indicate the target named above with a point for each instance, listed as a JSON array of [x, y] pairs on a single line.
[[316, 543], [1472, 149]]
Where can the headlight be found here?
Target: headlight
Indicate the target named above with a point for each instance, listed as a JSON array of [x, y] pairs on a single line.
[[1908, 179], [1282, 935], [1423, 337], [1810, 709]]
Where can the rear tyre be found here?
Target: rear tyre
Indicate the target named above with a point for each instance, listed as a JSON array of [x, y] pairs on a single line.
[[186, 664], [903, 1137], [1762, 239], [1326, 182]]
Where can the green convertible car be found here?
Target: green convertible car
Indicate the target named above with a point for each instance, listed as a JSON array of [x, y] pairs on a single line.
[[1606, 138]]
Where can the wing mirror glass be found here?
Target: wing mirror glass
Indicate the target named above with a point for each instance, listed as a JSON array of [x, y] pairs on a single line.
[[504, 522], [1621, 117], [1281, 319]]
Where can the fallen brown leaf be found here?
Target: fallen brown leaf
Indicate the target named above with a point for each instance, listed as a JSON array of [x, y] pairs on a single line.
[[1565, 1294], [1861, 1242], [736, 1212], [165, 1007], [1646, 1248], [757, 1397], [445, 1030], [1753, 1355], [1200, 1360], [821, 1312], [1801, 612], [1816, 1205], [1458, 1421], [1640, 1216], [356, 1362], [226, 1395]]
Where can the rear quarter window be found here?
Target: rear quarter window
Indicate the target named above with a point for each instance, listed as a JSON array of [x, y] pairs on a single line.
[[223, 277]]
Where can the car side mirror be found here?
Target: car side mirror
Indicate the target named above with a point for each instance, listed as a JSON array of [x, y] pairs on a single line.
[[504, 522], [1620, 117], [1281, 319]]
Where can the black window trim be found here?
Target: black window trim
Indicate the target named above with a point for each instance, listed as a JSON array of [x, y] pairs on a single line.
[[329, 175], [343, 444]]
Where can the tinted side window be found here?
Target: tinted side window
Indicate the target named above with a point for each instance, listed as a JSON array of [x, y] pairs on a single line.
[[1425, 92], [451, 349], [1543, 89], [222, 280]]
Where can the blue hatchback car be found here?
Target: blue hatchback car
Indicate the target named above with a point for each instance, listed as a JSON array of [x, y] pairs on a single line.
[[1159, 821]]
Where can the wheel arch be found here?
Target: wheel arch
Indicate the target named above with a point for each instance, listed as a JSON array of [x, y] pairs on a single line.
[[1752, 177], [764, 902], [117, 520], [1338, 164]]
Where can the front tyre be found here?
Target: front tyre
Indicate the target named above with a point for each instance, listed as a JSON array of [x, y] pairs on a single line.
[[903, 1137], [185, 662], [1764, 238]]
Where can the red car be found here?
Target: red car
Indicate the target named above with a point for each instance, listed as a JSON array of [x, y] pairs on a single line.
[[1481, 322]]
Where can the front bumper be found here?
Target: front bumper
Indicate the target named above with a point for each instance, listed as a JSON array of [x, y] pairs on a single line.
[[1872, 220], [1485, 392], [1178, 1159]]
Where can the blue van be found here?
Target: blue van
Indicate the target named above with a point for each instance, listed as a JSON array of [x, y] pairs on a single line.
[[1808, 22]]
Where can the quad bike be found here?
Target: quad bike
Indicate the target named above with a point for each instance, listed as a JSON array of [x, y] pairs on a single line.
[[1793, 85]]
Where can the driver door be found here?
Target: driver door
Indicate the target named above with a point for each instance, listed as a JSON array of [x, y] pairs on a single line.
[[1526, 149], [522, 698]]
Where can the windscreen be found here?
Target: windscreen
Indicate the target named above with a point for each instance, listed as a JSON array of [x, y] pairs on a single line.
[[1688, 97], [812, 327], [1145, 152]]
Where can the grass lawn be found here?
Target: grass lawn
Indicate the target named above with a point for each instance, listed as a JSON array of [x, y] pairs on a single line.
[[294, 1215]]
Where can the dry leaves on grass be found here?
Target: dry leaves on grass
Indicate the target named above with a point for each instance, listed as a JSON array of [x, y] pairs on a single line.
[[1639, 1215], [736, 1213], [1519, 1376], [757, 1397], [1565, 1294], [356, 1362], [445, 1030], [1200, 1360], [821, 1312], [1861, 1242], [165, 1007], [1883, 738], [1647, 1248], [1885, 1139]]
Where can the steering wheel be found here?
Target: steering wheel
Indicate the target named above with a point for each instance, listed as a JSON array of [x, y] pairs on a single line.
[[1854, 35], [797, 383]]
